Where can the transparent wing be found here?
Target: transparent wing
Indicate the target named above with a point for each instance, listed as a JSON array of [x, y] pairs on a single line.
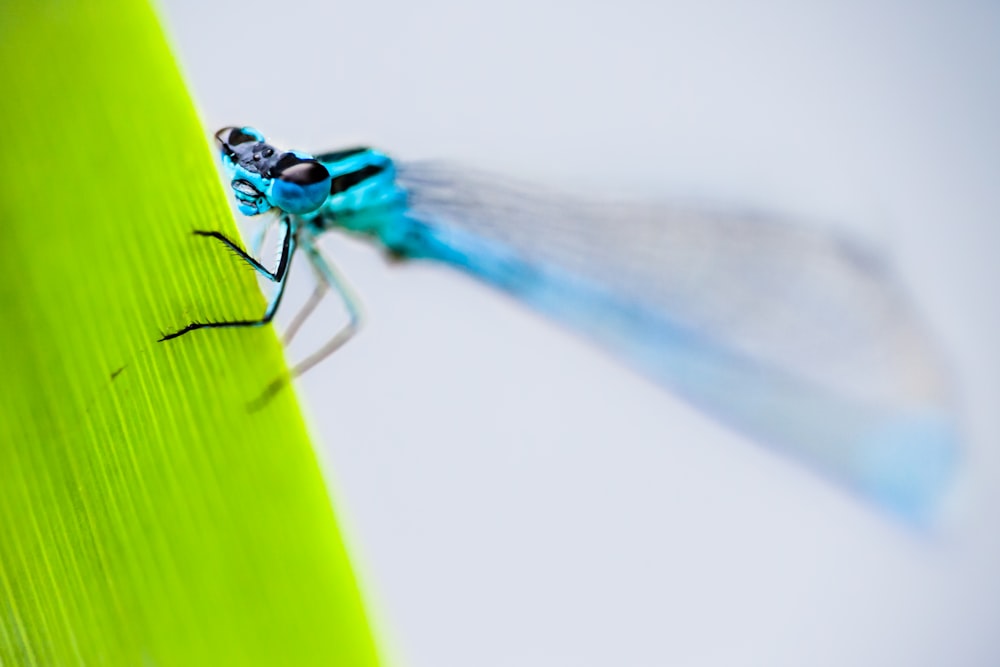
[[795, 336]]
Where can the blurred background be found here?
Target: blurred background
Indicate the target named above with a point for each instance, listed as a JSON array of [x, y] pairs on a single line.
[[510, 495]]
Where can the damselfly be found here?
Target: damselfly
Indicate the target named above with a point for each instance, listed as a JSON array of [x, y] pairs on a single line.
[[797, 337]]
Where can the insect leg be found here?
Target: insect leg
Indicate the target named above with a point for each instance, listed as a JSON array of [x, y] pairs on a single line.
[[310, 305], [242, 254], [257, 240], [330, 278], [278, 276]]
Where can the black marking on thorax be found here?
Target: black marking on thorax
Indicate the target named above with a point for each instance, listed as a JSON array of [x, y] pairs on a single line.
[[345, 182], [337, 156]]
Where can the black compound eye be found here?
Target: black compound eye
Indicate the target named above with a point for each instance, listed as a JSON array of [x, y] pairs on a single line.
[[228, 137], [238, 136], [293, 169], [222, 140], [222, 136]]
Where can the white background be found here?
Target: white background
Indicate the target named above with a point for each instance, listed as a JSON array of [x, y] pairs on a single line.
[[513, 497]]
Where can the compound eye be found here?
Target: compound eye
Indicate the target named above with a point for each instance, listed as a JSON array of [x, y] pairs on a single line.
[[301, 183], [299, 171], [228, 137]]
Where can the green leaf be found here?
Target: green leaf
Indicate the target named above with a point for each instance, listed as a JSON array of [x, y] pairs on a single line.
[[146, 517]]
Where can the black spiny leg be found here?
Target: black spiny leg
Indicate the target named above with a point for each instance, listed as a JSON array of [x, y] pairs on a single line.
[[279, 276]]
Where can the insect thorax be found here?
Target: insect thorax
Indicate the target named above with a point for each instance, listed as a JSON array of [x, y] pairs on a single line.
[[364, 195]]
